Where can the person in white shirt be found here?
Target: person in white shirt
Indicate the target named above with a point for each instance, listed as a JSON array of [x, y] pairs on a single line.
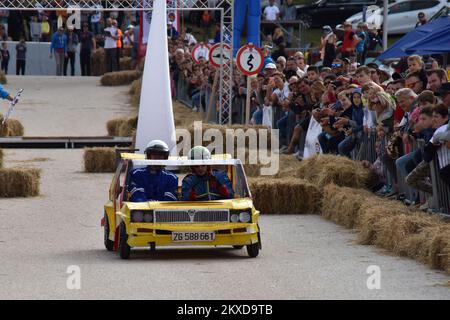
[[271, 13], [111, 36], [202, 52], [96, 17]]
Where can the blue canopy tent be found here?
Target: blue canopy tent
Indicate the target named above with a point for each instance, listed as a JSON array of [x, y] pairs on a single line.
[[435, 42], [416, 36]]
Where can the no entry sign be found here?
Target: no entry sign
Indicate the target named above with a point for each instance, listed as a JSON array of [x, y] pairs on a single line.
[[250, 60]]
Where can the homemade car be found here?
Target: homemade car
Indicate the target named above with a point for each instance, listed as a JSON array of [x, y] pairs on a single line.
[[228, 222]]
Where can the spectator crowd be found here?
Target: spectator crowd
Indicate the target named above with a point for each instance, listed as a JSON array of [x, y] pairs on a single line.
[[335, 96], [403, 106]]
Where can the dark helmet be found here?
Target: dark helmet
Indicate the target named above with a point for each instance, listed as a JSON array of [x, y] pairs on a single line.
[[157, 147]]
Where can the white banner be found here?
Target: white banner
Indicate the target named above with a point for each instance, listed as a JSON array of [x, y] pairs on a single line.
[[312, 145]]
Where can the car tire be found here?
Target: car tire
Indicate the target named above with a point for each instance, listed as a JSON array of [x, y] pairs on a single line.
[[124, 248], [238, 247], [307, 19], [109, 245], [253, 250]]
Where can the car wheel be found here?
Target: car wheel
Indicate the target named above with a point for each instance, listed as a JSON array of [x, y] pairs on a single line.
[[124, 248], [253, 250], [307, 19], [238, 247], [109, 245]]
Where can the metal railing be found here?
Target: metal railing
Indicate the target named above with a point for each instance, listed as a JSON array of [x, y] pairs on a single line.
[[440, 200]]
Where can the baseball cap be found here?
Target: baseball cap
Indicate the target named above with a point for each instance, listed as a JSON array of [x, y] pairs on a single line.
[[270, 65], [443, 90]]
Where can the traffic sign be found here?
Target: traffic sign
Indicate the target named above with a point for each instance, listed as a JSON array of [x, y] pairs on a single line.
[[216, 57], [250, 60], [201, 50]]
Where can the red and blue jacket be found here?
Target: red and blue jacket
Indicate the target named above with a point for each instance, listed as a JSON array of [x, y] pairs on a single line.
[[214, 185]]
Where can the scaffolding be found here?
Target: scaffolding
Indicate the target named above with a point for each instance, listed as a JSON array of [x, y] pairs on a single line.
[[224, 6]]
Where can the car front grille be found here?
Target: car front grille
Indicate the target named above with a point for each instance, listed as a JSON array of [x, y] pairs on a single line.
[[191, 216]]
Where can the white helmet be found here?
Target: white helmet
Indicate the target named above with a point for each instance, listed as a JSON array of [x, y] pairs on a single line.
[[199, 153]]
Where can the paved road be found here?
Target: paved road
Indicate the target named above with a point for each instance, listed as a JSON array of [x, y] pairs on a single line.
[[304, 257]]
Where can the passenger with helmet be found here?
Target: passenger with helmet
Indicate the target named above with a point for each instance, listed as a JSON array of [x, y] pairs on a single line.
[[153, 183], [204, 184]]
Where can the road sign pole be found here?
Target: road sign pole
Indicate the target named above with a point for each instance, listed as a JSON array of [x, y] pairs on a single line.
[[247, 102]]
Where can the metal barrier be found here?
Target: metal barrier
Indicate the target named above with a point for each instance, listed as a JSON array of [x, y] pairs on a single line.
[[441, 189], [440, 200]]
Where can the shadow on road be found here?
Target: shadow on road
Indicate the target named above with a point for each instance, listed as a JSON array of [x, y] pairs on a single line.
[[161, 254]]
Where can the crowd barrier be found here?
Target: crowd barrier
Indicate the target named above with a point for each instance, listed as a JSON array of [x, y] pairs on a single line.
[[440, 200]]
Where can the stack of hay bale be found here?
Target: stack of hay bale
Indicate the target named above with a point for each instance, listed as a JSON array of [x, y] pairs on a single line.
[[18, 182], [120, 78], [97, 160], [12, 128]]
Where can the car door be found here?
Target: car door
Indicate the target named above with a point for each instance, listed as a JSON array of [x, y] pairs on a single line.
[[398, 17]]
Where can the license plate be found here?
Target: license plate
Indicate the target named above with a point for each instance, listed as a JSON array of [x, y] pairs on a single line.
[[193, 236]]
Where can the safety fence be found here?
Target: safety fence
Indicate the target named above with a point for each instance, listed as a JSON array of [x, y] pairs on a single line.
[[371, 148], [201, 100]]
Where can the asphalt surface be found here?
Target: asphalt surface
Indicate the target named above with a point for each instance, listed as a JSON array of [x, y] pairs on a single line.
[[303, 257]]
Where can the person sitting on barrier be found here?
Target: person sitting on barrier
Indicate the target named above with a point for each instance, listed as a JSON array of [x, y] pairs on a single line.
[[204, 184], [154, 183]]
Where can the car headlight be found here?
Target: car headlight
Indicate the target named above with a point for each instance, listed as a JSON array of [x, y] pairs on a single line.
[[234, 217], [244, 217], [148, 216], [137, 216]]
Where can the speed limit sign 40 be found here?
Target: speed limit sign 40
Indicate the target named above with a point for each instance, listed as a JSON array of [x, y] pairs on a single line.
[[250, 60]]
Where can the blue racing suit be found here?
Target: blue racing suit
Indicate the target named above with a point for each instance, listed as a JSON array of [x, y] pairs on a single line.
[[152, 185], [213, 185]]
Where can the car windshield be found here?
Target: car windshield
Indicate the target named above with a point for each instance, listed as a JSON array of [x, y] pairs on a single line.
[[181, 168]]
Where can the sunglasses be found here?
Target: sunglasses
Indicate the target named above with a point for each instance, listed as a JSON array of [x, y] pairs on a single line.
[[336, 65]]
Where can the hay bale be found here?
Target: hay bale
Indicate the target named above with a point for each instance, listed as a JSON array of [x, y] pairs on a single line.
[[430, 246], [12, 128], [371, 213], [18, 182], [127, 51], [120, 78], [3, 79], [15, 128], [391, 231], [1, 158], [229, 136], [126, 63], [99, 160], [122, 127], [287, 165], [112, 126], [99, 62], [135, 92], [285, 196], [342, 204], [324, 169], [141, 65], [127, 127]]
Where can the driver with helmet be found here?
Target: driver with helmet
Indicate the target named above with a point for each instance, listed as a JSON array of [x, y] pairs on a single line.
[[204, 184], [153, 183]]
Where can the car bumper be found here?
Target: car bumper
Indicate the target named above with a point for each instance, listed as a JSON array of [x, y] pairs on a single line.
[[142, 234]]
